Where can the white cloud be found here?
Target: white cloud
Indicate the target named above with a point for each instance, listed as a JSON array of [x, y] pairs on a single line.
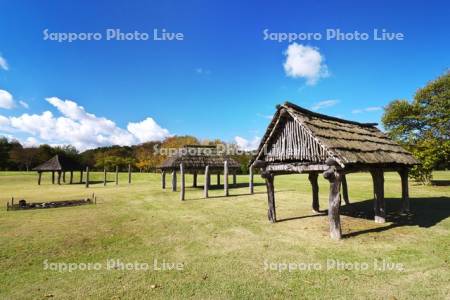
[[148, 130], [30, 142], [6, 100], [3, 63], [81, 129], [305, 62], [247, 145], [24, 104], [324, 104], [367, 109]]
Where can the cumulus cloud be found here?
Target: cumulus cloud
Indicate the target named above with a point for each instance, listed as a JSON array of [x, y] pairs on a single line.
[[305, 62], [81, 129], [324, 104], [3, 63], [247, 145], [367, 109], [6, 100]]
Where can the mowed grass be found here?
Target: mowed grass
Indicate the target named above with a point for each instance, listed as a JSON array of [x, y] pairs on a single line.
[[223, 242]]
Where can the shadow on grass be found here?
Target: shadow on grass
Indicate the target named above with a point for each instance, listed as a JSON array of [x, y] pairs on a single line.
[[424, 212], [213, 186], [440, 182]]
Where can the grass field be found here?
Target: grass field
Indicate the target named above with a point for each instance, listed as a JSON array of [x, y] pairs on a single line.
[[224, 244]]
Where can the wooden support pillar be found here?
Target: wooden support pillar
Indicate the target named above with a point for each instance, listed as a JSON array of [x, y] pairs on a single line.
[[53, 177], [117, 175], [315, 191], [87, 177], [71, 177], [334, 201], [59, 177], [206, 186], [81, 176], [271, 212], [182, 182], [64, 176], [378, 191], [250, 185], [194, 179], [174, 181], [104, 176], [225, 178], [234, 179], [345, 190], [39, 177], [218, 179], [129, 173], [405, 190], [163, 179]]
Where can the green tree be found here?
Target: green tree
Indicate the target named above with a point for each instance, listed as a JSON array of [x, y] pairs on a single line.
[[423, 126]]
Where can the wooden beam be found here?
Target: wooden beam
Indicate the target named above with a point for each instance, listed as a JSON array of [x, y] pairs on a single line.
[[334, 177], [218, 178], [405, 189], [182, 182], [271, 212], [378, 190], [71, 177], [59, 177], [206, 186], [251, 180], [117, 175], [315, 191], [194, 179], [174, 181], [345, 190], [225, 178], [87, 177], [64, 176], [53, 177], [104, 176], [163, 179], [129, 173], [39, 177]]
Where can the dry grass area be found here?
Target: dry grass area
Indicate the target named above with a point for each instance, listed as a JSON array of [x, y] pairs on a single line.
[[223, 243]]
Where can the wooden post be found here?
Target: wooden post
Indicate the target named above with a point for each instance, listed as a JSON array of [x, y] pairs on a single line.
[[87, 177], [163, 179], [64, 176], [345, 190], [225, 177], [81, 176], [53, 177], [315, 191], [378, 190], [194, 179], [174, 181], [335, 178], [271, 213], [129, 173], [250, 185], [117, 175], [71, 177], [206, 186], [405, 190], [182, 182], [234, 179], [39, 177], [218, 178], [104, 176], [59, 177]]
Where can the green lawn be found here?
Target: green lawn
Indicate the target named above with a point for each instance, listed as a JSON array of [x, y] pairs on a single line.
[[223, 243]]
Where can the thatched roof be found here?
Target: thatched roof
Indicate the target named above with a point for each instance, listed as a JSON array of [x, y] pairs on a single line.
[[59, 163], [299, 135], [196, 158]]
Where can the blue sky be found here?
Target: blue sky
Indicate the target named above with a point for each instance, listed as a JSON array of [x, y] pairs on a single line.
[[221, 81]]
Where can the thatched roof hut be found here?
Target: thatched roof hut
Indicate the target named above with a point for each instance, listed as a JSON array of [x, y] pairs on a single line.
[[301, 141], [59, 164], [197, 159]]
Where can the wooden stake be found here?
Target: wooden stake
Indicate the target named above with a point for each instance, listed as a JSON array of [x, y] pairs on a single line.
[[405, 190], [104, 176], [225, 178], [251, 180], [163, 179], [39, 177], [234, 179], [218, 178], [129, 173], [53, 177], [182, 182], [81, 176], [206, 186], [174, 181], [59, 177], [64, 176], [71, 177], [345, 190], [315, 191], [87, 177], [271, 213], [117, 175], [335, 179], [194, 179], [378, 190]]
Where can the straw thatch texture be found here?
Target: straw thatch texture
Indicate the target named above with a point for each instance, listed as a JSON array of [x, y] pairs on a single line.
[[59, 163]]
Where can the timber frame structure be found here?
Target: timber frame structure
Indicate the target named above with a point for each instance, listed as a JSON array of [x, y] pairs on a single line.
[[301, 141], [60, 165], [198, 159]]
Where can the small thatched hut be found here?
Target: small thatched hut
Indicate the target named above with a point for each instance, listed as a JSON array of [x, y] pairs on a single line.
[[198, 159], [59, 164], [301, 141]]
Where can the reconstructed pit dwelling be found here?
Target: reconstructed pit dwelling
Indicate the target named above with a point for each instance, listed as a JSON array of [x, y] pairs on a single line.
[[301, 141]]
